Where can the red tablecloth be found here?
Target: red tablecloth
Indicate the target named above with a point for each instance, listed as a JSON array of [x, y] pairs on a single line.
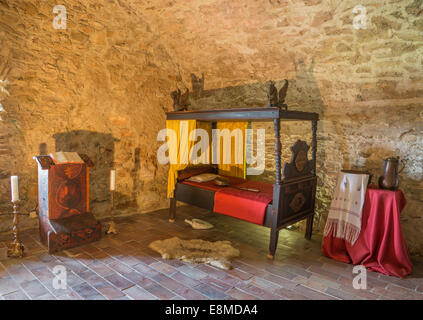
[[381, 245]]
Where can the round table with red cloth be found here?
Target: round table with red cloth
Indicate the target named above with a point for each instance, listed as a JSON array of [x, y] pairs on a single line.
[[381, 245]]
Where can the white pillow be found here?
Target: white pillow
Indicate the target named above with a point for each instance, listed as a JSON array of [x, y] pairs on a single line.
[[204, 177]]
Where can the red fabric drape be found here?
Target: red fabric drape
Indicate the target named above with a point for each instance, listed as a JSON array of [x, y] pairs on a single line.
[[244, 205], [381, 245]]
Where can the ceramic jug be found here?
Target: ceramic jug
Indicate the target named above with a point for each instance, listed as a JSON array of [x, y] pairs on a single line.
[[389, 178]]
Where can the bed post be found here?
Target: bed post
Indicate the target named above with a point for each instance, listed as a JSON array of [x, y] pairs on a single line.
[[274, 231], [172, 210], [314, 145], [309, 224]]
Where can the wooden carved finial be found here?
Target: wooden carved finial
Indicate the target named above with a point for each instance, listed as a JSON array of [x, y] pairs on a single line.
[[272, 95], [275, 99], [180, 100], [282, 96]]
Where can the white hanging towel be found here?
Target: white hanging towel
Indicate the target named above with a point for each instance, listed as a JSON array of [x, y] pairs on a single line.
[[344, 219]]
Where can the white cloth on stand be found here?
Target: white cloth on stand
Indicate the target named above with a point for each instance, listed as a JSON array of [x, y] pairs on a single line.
[[344, 219]]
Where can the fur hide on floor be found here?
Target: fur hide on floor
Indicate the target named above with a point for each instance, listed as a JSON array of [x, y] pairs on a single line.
[[218, 254]]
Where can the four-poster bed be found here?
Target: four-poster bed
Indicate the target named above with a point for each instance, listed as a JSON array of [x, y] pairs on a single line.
[[289, 200]]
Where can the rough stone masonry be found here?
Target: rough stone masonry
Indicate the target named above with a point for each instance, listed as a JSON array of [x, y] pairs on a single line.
[[106, 79]]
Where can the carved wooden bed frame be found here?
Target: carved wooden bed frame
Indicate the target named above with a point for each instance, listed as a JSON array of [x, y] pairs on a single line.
[[293, 196]]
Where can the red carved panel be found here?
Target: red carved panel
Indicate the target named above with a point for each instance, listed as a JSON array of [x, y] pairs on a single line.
[[68, 190]]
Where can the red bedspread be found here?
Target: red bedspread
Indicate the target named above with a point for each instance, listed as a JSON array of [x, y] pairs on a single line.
[[244, 205]]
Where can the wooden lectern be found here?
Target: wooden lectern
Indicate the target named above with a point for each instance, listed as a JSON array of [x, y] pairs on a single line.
[[63, 203]]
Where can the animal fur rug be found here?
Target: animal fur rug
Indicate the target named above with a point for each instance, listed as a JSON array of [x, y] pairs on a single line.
[[218, 254]]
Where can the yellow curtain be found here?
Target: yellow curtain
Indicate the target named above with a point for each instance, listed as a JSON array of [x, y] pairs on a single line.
[[235, 166], [207, 126], [179, 146]]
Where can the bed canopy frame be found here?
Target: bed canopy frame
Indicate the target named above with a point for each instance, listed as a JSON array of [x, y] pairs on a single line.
[[293, 195]]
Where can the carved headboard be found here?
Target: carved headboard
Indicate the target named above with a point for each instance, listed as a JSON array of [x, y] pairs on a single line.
[[299, 165]]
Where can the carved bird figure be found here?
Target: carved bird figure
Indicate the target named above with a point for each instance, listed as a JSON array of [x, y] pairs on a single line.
[[176, 95], [184, 100], [180, 100], [272, 95], [282, 96], [276, 99]]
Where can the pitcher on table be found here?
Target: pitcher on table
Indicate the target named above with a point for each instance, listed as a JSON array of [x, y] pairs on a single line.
[[389, 178]]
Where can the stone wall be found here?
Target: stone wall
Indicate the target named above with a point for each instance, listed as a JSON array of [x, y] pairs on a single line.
[[99, 87], [111, 71]]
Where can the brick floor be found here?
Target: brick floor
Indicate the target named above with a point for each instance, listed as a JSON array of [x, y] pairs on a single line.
[[122, 266]]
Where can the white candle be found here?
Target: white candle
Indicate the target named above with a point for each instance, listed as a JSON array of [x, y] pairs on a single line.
[[15, 188], [112, 179]]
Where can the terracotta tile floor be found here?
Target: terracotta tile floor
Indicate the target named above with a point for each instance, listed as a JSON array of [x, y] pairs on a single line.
[[123, 267]]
